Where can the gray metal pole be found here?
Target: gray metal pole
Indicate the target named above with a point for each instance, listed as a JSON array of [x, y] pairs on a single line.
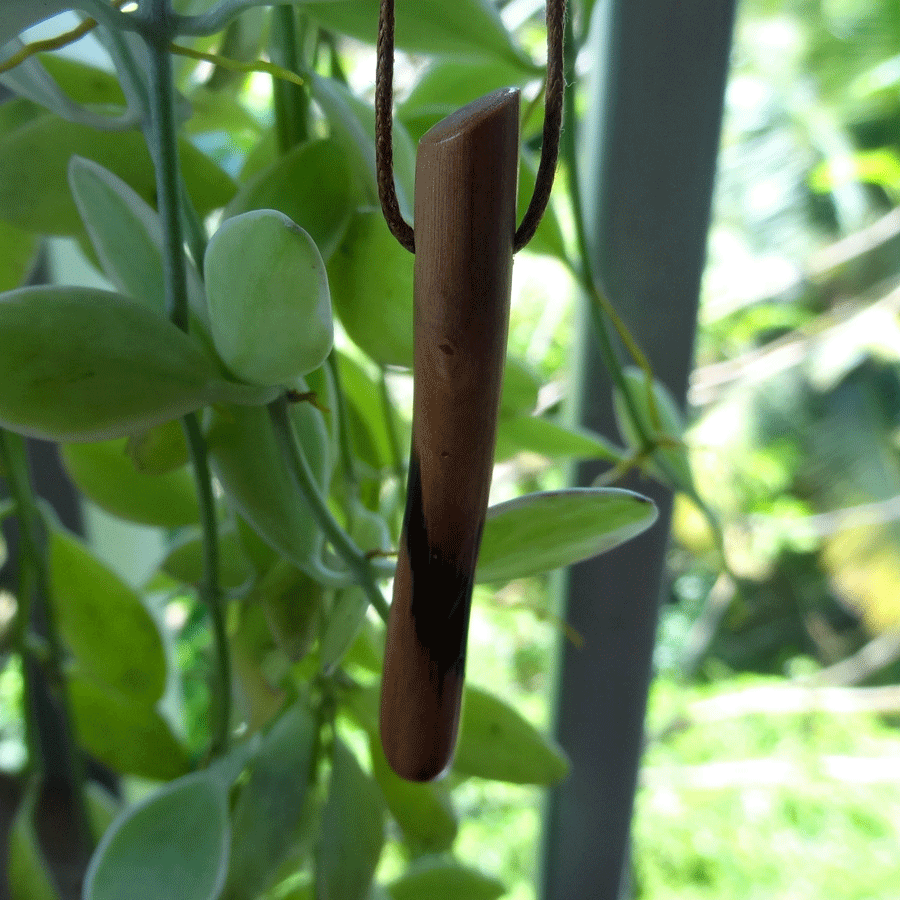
[[651, 137]]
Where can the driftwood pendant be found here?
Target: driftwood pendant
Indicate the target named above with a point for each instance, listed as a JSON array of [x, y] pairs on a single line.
[[465, 211]]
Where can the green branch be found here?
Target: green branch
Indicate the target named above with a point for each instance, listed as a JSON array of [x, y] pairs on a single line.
[[355, 560]]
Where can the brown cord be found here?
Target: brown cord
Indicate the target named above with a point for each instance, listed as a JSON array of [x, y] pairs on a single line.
[[384, 150]]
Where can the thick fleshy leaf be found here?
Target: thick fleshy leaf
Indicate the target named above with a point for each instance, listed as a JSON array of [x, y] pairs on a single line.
[[104, 623], [371, 278], [464, 27], [126, 235], [496, 742], [662, 421], [173, 845], [352, 122], [34, 159], [352, 830], [254, 475], [535, 434], [365, 410], [292, 603], [129, 737], [311, 185], [423, 811], [18, 250], [269, 304], [444, 879], [105, 473], [80, 364], [269, 809], [544, 531]]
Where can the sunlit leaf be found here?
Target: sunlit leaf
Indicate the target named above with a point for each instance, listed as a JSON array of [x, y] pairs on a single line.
[[496, 742], [536, 434], [540, 532], [444, 879]]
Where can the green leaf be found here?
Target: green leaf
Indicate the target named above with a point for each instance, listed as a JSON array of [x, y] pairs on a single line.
[[269, 304], [352, 123], [254, 475], [18, 250], [83, 83], [311, 185], [184, 561], [535, 434], [28, 875], [158, 450], [449, 83], [662, 421], [126, 234], [352, 830], [496, 742], [423, 811], [292, 603], [371, 278], [34, 159], [464, 27], [544, 531], [173, 845], [31, 79], [105, 473], [268, 810], [104, 623], [366, 412], [81, 364], [548, 239], [129, 737], [444, 879], [521, 384]]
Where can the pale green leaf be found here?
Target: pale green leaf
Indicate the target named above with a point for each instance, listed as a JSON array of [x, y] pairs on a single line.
[[544, 531], [83, 365], [352, 830], [497, 742], [535, 434], [269, 303], [18, 250], [172, 846], [269, 807], [444, 879]]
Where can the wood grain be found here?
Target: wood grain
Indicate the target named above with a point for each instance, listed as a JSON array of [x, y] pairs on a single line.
[[465, 207]]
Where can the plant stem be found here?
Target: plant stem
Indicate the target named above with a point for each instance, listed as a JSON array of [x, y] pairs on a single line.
[[210, 589], [35, 586], [343, 428], [353, 557], [291, 101], [583, 270], [162, 139]]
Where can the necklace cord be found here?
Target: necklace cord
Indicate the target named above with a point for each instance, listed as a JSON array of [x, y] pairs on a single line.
[[384, 149]]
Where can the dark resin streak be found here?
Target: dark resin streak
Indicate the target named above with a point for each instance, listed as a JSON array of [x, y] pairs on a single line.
[[465, 205]]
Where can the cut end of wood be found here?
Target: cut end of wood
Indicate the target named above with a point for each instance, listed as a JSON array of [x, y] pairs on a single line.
[[470, 118]]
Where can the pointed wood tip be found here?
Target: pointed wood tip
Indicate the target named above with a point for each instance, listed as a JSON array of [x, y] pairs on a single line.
[[502, 102]]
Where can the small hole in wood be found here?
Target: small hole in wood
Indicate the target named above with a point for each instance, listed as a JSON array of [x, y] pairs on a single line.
[[445, 454], [446, 348]]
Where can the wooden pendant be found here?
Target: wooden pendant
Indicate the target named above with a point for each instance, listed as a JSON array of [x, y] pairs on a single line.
[[465, 211]]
